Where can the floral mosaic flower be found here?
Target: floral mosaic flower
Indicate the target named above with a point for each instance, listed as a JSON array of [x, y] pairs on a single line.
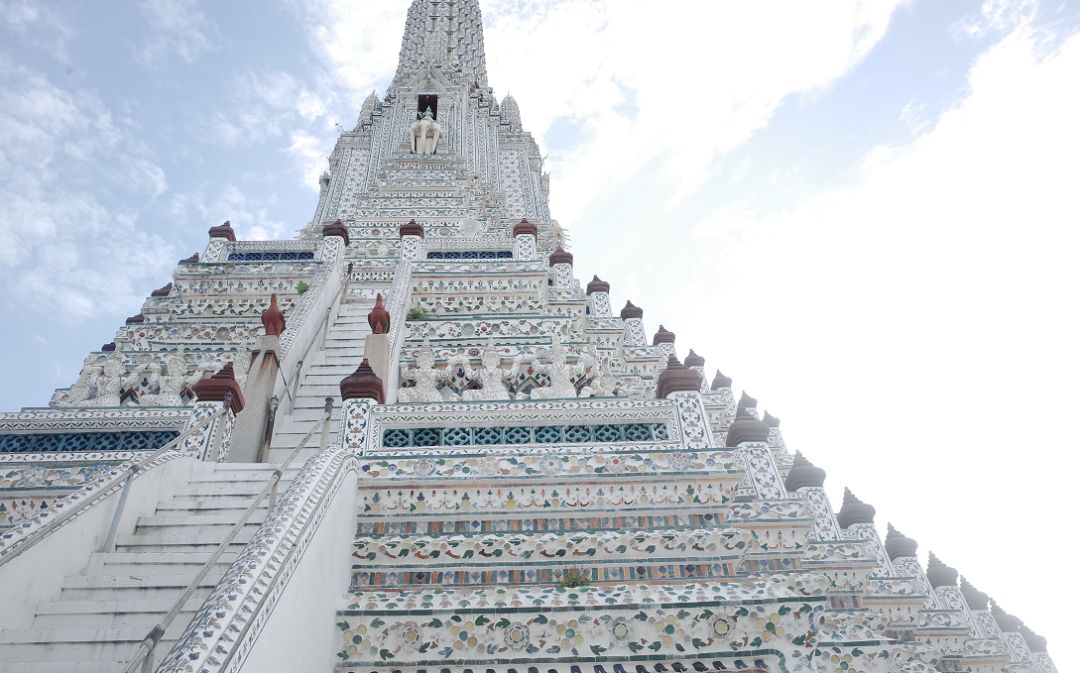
[[620, 630], [410, 635], [680, 461], [551, 465], [770, 627], [424, 467], [721, 627], [517, 636], [842, 663], [616, 464]]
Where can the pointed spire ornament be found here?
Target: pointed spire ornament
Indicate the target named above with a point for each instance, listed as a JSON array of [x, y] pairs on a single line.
[[630, 311], [720, 381], [854, 511], [975, 599], [194, 259], [676, 378], [379, 318], [803, 474], [1006, 622], [273, 319], [663, 336], [694, 360], [220, 387], [1035, 642], [524, 228], [362, 384], [746, 427], [939, 574], [162, 291], [898, 545], [560, 256], [597, 285]]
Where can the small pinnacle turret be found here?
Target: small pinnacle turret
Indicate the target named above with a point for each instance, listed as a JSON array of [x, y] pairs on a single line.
[[898, 545], [803, 474], [939, 574], [854, 511]]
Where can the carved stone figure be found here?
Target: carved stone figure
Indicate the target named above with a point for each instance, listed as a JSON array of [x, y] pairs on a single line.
[[424, 133], [111, 381], [426, 377], [560, 374], [171, 381], [490, 376]]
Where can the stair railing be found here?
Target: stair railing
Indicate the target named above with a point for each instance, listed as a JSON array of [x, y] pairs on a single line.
[[92, 496], [143, 660], [292, 384]]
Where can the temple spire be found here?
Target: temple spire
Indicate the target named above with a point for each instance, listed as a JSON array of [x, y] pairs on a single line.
[[443, 35]]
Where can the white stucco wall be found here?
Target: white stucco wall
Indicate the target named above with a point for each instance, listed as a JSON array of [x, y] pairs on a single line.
[[299, 635], [37, 573]]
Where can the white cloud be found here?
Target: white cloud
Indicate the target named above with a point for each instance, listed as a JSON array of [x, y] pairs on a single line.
[[177, 29], [307, 150], [39, 23], [647, 84], [920, 333], [61, 249], [252, 219]]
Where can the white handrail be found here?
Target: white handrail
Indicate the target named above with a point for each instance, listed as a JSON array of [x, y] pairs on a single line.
[[144, 655], [19, 546]]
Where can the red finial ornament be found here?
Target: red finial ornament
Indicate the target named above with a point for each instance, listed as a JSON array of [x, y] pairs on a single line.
[[379, 317], [272, 319]]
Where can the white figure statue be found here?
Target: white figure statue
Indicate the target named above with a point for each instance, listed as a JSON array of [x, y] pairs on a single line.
[[490, 376], [171, 381], [425, 375], [560, 374], [111, 382], [424, 133], [80, 390]]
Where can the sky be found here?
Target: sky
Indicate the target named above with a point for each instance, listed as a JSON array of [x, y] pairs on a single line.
[[865, 212]]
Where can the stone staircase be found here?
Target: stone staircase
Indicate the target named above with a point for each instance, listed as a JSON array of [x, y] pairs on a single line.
[[340, 356], [101, 615]]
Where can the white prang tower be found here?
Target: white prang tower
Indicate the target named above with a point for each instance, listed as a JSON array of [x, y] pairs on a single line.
[[410, 441]]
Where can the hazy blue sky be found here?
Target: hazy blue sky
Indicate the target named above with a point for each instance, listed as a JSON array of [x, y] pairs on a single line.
[[864, 212]]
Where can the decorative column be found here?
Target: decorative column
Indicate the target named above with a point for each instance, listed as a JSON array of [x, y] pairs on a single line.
[[634, 328], [255, 425], [412, 241], [902, 554], [1011, 630], [721, 388], [212, 442], [524, 233], [682, 386], [562, 266], [805, 480], [359, 391], [697, 363], [598, 293], [219, 237], [750, 437], [665, 340], [857, 519]]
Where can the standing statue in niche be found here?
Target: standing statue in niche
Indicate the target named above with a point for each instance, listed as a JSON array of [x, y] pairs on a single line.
[[426, 377], [490, 376], [560, 374], [424, 133]]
